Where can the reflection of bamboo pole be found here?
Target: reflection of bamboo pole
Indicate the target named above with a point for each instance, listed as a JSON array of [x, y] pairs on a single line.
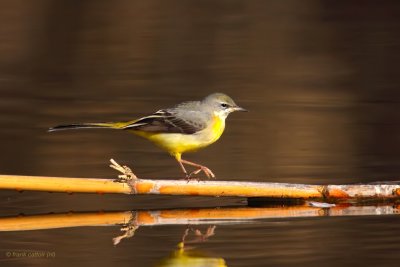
[[184, 216], [202, 188], [61, 220]]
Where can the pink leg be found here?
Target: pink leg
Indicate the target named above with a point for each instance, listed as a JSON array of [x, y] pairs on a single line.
[[202, 168], [182, 167]]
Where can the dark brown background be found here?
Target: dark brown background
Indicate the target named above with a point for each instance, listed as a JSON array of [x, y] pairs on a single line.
[[320, 78]]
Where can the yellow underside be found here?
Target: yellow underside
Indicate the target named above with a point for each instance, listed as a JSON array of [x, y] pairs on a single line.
[[177, 143]]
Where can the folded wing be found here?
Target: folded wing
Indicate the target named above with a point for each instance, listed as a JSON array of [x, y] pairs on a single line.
[[168, 121]]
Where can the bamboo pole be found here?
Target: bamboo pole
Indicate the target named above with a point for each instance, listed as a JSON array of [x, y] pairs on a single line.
[[63, 184], [128, 183], [201, 188]]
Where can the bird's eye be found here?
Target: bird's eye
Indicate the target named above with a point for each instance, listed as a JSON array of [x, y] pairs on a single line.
[[224, 105]]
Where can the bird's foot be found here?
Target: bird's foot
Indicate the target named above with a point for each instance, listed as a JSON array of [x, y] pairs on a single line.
[[189, 177], [204, 169], [200, 168]]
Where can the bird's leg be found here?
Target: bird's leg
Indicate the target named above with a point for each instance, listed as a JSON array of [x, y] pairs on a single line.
[[202, 168], [182, 167]]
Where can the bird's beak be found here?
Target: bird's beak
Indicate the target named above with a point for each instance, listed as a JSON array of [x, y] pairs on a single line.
[[237, 108]]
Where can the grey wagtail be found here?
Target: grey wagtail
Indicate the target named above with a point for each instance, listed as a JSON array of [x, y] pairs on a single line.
[[186, 127]]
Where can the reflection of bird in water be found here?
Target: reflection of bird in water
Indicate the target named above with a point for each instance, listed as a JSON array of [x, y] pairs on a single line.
[[187, 127], [199, 236], [192, 257]]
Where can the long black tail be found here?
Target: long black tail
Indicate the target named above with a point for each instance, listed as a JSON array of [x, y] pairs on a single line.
[[88, 125]]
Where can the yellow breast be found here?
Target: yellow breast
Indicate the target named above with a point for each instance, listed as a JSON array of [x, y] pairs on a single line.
[[176, 143], [217, 127]]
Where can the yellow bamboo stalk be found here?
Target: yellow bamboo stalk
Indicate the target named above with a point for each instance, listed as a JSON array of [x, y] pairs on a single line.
[[128, 183], [201, 188], [225, 188], [185, 216], [164, 187], [62, 184]]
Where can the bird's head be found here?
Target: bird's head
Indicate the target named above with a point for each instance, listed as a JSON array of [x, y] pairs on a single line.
[[221, 105]]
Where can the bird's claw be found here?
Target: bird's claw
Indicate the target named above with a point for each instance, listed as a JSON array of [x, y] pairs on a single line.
[[188, 177], [204, 169]]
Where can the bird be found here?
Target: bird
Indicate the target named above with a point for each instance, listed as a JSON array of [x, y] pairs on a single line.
[[186, 127]]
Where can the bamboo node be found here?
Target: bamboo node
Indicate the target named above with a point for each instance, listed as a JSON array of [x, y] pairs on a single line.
[[127, 174]]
